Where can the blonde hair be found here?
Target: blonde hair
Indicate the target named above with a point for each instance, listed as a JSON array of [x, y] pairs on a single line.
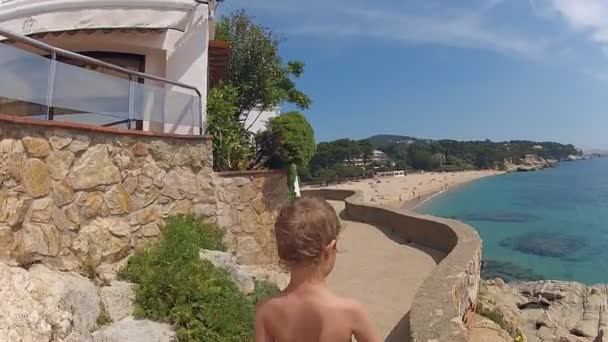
[[304, 228]]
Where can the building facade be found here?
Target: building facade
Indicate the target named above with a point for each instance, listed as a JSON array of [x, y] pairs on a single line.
[[168, 39]]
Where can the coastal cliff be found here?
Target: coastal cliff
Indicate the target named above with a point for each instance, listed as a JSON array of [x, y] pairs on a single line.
[[531, 162], [541, 311]]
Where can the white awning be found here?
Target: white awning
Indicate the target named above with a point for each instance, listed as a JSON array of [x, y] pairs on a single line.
[[41, 16]]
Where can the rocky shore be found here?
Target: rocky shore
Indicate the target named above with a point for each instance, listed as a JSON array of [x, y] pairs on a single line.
[[529, 163], [541, 311]]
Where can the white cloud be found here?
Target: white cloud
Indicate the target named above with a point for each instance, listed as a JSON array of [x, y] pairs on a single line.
[[455, 27], [585, 15]]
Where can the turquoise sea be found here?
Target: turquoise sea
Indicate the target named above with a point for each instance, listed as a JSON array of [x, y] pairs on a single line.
[[550, 224]]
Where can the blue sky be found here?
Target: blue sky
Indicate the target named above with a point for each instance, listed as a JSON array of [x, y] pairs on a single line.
[[460, 69]]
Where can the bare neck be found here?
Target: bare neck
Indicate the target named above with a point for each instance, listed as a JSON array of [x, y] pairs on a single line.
[[306, 276]]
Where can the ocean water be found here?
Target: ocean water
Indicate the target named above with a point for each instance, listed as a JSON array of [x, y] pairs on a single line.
[[550, 224]]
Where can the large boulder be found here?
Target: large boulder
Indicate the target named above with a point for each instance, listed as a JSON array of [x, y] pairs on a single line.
[[118, 299], [546, 311], [226, 261], [133, 330], [45, 305]]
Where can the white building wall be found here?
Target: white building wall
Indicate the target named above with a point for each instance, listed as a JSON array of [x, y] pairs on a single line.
[[258, 125]]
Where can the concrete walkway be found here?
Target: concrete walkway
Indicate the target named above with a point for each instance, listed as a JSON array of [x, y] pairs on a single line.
[[382, 272]]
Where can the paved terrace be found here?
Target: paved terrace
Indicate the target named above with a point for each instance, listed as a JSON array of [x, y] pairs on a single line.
[[382, 271]]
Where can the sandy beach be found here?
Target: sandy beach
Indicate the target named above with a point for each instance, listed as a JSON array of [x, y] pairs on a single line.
[[411, 190]]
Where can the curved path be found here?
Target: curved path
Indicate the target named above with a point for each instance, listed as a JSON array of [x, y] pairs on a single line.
[[383, 272]]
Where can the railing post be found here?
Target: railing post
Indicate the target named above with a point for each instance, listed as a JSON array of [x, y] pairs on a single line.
[[131, 100], [51, 87]]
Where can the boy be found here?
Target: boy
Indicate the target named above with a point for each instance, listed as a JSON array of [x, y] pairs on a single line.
[[306, 233]]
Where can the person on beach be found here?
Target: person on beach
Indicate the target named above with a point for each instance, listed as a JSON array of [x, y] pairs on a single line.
[[306, 232]]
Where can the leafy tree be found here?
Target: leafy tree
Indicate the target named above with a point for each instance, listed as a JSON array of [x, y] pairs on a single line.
[[232, 147], [366, 148], [262, 78], [289, 139]]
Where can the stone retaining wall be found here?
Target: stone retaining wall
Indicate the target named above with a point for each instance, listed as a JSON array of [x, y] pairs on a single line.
[[82, 198], [441, 309], [248, 204]]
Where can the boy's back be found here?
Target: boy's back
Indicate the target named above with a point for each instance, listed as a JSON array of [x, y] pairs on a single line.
[[306, 233], [311, 314]]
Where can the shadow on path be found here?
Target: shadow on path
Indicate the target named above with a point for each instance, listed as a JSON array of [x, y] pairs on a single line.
[[401, 331]]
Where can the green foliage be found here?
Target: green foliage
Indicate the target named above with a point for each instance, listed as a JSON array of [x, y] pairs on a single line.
[[264, 290], [288, 139], [255, 67], [198, 299], [232, 145]]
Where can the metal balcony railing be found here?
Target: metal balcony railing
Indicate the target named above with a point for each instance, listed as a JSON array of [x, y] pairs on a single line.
[[45, 88]]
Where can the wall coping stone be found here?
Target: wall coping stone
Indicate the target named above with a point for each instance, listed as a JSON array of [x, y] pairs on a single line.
[[94, 129], [246, 173], [435, 314]]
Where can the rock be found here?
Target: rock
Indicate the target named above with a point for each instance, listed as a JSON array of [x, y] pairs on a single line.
[[71, 213], [59, 163], [120, 229], [162, 152], [14, 166], [547, 311], [96, 242], [62, 222], [145, 193], [155, 173], [247, 250], [7, 242], [41, 210], [14, 210], [60, 140], [36, 178], [79, 143], [36, 147], [270, 273], [122, 158], [92, 204], [247, 220], [150, 230], [133, 330], [118, 299], [62, 193], [204, 210], [118, 200], [486, 330], [140, 149], [94, 168], [46, 305], [144, 216], [39, 239], [130, 184], [183, 207], [180, 183], [225, 261]]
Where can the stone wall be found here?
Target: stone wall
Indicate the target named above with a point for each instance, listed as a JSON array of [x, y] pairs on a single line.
[[82, 198], [442, 308], [248, 204]]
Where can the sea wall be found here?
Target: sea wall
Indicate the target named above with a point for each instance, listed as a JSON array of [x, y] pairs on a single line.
[[83, 198], [248, 204], [443, 307]]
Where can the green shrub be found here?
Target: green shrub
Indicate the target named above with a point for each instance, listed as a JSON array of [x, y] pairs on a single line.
[[200, 300]]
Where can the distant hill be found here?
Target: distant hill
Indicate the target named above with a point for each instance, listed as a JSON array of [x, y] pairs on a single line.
[[381, 140]]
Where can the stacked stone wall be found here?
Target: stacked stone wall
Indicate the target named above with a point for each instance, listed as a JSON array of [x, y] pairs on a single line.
[[80, 198], [248, 204]]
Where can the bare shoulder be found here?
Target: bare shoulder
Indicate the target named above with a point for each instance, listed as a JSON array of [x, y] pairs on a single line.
[[350, 307]]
